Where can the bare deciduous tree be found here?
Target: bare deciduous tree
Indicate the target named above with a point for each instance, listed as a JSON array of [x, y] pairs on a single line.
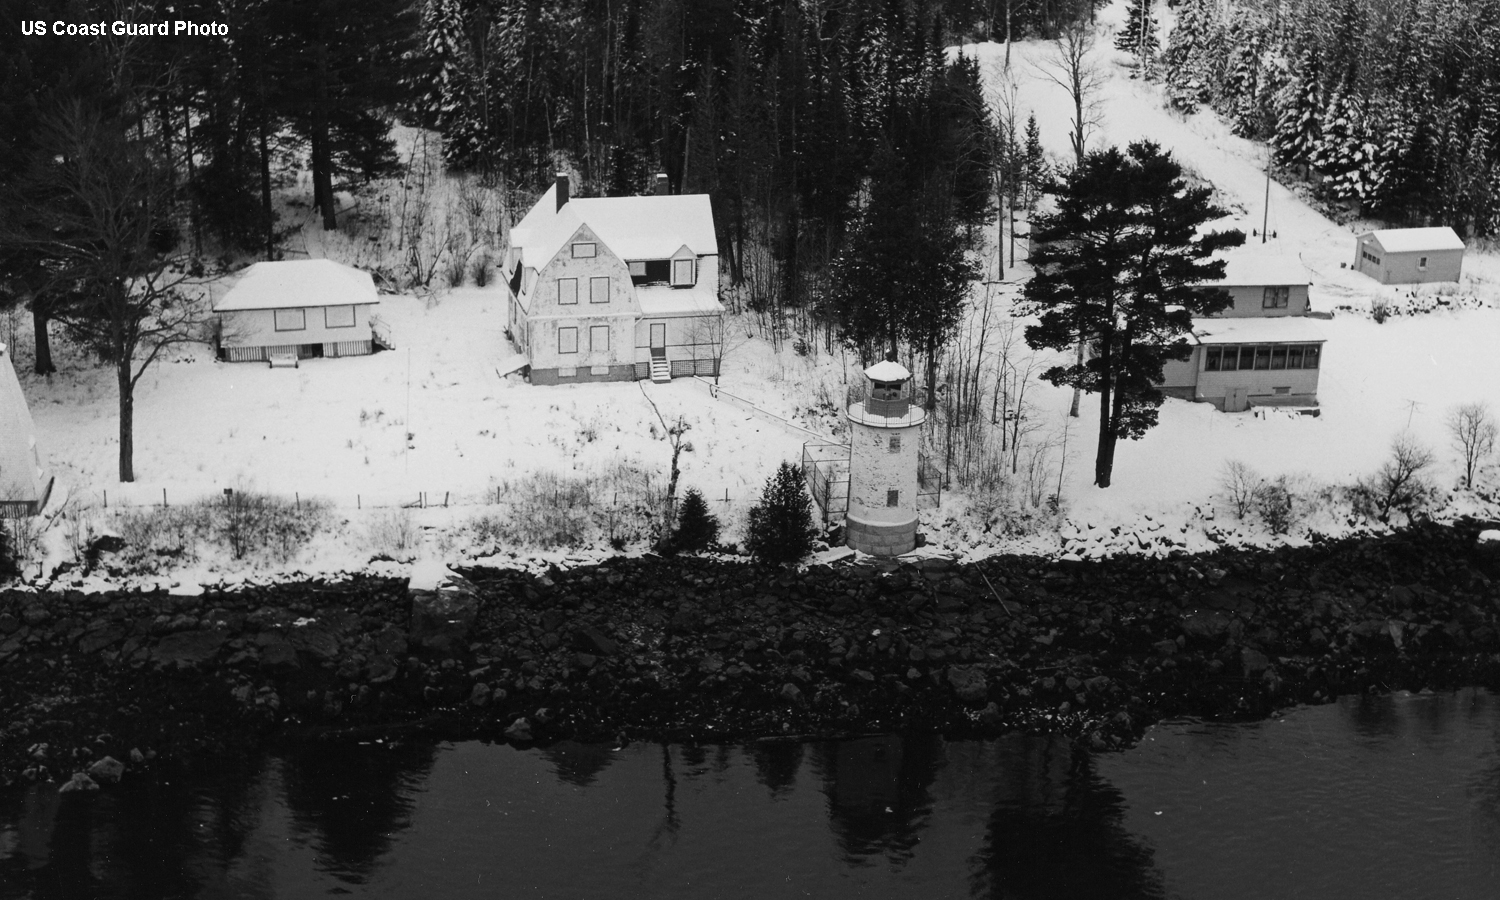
[[101, 215], [1474, 433], [1241, 486], [1400, 484], [1069, 67]]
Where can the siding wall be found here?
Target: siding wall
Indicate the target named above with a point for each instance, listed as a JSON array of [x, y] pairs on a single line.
[[545, 315], [257, 328], [874, 469], [1249, 300], [1401, 268], [1261, 383]]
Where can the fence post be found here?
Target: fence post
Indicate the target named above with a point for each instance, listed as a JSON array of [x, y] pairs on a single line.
[[357, 503], [445, 499], [297, 500], [106, 499], [163, 498]]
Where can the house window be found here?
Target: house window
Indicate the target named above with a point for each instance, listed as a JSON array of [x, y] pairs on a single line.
[[1310, 355], [1281, 391], [567, 291], [599, 290], [682, 272], [338, 316], [1263, 356], [1275, 297], [1211, 358], [892, 498], [291, 319], [637, 271], [1278, 356], [599, 338], [895, 443], [567, 340], [1422, 263], [585, 250], [1369, 257], [1294, 356]]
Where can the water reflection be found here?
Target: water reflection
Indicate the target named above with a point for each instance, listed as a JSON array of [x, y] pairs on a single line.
[[350, 803], [879, 792], [1056, 830], [1370, 797]]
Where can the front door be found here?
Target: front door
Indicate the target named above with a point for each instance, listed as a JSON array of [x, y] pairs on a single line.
[[658, 339], [1238, 400]]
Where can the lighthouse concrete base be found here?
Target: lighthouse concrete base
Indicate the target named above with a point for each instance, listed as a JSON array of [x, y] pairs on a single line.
[[881, 539]]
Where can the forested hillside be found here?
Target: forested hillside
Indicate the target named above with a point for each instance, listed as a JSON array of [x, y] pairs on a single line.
[[1392, 108]]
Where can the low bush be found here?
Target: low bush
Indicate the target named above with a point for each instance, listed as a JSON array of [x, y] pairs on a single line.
[[1400, 485], [697, 528], [391, 533]]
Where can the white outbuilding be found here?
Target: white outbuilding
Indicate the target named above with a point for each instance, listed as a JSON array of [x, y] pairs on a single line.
[[1410, 255], [24, 484], [297, 309]]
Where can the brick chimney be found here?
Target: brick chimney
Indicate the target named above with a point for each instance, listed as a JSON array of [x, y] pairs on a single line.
[[661, 184], [562, 189]]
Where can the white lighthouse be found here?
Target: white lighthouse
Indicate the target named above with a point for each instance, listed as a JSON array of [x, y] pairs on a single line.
[[884, 430]]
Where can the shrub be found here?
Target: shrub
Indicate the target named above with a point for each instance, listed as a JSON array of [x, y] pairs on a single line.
[[1399, 485], [697, 528], [781, 525], [480, 268], [1241, 485], [7, 559], [391, 533], [1276, 502]]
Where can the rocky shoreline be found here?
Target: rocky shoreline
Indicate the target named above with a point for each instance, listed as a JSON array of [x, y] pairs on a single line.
[[699, 650]]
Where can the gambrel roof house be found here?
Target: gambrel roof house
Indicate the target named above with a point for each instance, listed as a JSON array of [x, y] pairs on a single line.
[[1262, 350], [1410, 255], [24, 484], [615, 288]]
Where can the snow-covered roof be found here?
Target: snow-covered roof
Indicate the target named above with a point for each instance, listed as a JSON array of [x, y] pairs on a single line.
[[887, 371], [633, 228], [20, 476], [1263, 270], [665, 300], [1281, 329], [1406, 240], [296, 283]]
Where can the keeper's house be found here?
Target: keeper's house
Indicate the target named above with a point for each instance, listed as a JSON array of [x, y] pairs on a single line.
[[615, 288], [1262, 351], [297, 309], [1410, 255]]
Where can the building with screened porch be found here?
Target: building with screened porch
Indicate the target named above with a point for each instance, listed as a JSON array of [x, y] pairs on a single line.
[[296, 309], [615, 288], [1264, 350]]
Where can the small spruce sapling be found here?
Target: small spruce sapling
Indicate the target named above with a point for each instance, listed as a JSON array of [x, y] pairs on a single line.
[[781, 525], [697, 528]]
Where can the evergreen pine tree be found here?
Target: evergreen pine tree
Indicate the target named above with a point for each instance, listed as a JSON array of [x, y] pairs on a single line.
[[781, 525], [1034, 168], [1121, 266], [1138, 36], [1189, 48], [697, 528], [1298, 126], [1342, 156]]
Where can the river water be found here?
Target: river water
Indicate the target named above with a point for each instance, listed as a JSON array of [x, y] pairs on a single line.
[[1385, 797]]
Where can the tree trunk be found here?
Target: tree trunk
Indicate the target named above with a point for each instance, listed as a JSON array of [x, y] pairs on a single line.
[[39, 319], [1104, 460], [322, 154], [265, 191], [1073, 410], [127, 419]]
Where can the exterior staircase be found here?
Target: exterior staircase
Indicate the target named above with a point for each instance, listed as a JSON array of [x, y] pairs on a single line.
[[661, 370]]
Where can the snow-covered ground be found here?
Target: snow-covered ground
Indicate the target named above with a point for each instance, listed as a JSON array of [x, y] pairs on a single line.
[[434, 419]]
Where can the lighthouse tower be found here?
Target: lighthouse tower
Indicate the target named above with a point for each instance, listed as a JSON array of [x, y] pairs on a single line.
[[884, 430]]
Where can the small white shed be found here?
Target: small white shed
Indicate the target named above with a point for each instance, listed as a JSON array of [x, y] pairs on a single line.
[[24, 484], [300, 308], [1410, 255]]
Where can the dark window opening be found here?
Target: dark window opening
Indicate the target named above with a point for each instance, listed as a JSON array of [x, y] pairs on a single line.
[[892, 498], [651, 271]]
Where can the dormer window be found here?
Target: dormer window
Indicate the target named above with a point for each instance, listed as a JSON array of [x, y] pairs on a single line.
[[650, 271], [585, 250], [1275, 297], [683, 272]]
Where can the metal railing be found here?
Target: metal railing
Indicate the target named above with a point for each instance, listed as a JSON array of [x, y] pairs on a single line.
[[826, 469], [886, 402]]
